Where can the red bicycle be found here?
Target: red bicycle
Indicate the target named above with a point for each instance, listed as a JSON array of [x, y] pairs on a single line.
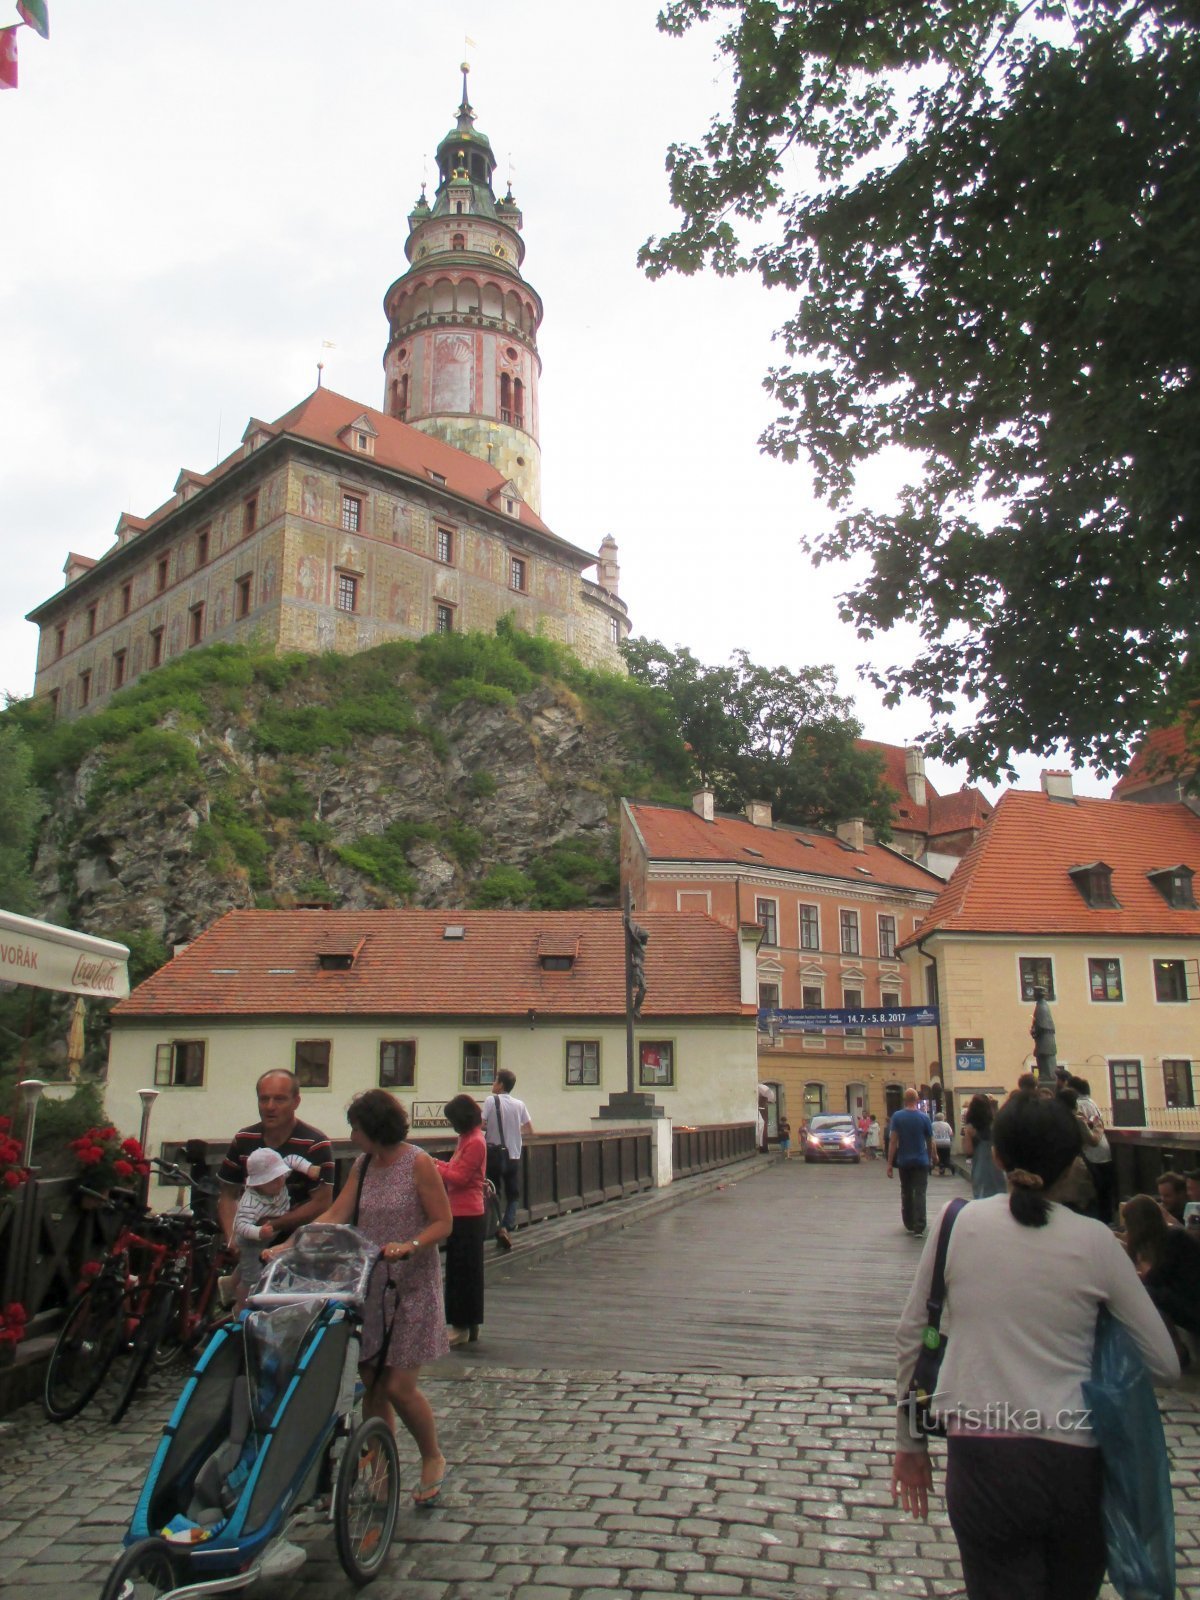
[[153, 1296]]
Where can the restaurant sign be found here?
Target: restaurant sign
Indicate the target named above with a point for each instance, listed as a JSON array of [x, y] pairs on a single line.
[[46, 957]]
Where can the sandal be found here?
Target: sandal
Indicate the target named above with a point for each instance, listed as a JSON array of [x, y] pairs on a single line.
[[425, 1495]]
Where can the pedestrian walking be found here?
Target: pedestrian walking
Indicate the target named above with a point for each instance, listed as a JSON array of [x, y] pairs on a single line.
[[910, 1148], [874, 1139], [395, 1195], [464, 1175], [943, 1139], [785, 1138], [1025, 1281], [505, 1125]]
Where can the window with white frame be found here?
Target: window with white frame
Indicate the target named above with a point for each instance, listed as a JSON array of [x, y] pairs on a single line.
[[852, 1000], [810, 928], [1170, 982], [766, 914], [583, 1062], [1104, 978], [656, 1063], [479, 1058], [347, 592], [1037, 972], [812, 998], [445, 545], [397, 1063], [848, 923], [887, 937], [351, 512], [1177, 1085], [890, 1000], [179, 1064]]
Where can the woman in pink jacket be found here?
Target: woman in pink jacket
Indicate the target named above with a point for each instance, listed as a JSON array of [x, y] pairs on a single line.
[[463, 1174]]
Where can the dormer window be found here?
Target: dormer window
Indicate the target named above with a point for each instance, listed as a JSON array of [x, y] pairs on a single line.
[[436, 477], [557, 952], [1175, 886], [338, 955], [1094, 882]]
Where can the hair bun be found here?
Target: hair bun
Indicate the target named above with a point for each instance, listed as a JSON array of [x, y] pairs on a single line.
[[1025, 1180]]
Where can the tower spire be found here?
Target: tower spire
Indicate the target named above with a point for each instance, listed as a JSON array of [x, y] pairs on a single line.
[[466, 113]]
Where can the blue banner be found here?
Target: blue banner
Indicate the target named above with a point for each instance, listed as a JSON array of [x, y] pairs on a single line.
[[896, 1017]]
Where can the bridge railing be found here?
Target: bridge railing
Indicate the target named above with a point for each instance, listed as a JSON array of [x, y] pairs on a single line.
[[701, 1149]]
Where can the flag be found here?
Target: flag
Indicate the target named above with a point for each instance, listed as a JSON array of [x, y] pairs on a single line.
[[328, 344], [35, 13], [8, 58], [469, 42]]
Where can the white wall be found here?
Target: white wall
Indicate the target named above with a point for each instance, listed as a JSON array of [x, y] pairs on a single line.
[[715, 1071]]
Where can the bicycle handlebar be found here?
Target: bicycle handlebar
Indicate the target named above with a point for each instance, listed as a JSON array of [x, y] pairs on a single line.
[[177, 1174]]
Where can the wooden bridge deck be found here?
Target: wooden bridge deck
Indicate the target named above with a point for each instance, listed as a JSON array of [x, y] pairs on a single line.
[[797, 1269]]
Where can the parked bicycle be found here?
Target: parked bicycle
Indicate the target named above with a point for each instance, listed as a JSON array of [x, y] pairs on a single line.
[[153, 1296]]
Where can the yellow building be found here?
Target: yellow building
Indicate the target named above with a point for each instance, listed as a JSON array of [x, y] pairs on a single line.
[[1093, 901]]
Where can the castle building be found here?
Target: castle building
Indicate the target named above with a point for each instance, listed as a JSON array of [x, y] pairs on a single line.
[[339, 526]]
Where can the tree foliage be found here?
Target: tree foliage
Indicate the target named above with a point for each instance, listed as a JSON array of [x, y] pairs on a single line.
[[997, 266], [20, 809], [764, 733]]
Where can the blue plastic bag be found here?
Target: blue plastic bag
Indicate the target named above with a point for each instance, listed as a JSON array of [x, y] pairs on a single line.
[[1139, 1518]]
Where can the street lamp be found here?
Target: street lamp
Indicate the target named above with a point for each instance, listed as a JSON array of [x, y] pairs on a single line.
[[31, 1093], [1044, 1049]]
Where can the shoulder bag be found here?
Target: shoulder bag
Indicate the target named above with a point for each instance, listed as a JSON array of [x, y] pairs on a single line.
[[933, 1341], [498, 1158]]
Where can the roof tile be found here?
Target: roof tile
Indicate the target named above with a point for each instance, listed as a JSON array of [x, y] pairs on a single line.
[[265, 963]]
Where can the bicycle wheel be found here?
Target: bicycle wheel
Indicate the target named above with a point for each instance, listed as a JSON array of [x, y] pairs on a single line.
[[365, 1500], [142, 1572], [84, 1349], [145, 1341]]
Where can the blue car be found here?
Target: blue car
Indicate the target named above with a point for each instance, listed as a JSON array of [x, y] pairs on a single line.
[[832, 1136]]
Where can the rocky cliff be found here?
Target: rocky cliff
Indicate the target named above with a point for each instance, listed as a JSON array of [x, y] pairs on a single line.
[[442, 773]]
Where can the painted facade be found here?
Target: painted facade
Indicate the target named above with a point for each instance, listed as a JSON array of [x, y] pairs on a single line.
[[1092, 899], [833, 912], [339, 526]]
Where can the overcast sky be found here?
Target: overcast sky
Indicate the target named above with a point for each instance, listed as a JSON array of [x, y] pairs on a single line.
[[198, 194]]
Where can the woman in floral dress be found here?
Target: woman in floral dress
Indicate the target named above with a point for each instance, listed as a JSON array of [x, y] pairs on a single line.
[[401, 1205]]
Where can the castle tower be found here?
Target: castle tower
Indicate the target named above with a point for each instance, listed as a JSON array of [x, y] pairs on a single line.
[[462, 360]]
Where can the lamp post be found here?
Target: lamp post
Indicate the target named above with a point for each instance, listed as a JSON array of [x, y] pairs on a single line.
[[1044, 1049], [31, 1093]]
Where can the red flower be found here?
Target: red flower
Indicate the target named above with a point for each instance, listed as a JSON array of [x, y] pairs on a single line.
[[14, 1311], [142, 1168], [122, 1169], [132, 1149], [88, 1271], [91, 1155], [12, 1179], [5, 1124]]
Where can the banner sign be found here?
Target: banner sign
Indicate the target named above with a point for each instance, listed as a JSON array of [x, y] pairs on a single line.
[[896, 1017], [46, 957]]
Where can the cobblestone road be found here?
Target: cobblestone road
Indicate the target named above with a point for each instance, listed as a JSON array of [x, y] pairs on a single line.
[[576, 1482]]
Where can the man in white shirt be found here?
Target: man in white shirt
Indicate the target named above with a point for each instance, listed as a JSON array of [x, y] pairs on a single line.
[[1099, 1155], [505, 1124]]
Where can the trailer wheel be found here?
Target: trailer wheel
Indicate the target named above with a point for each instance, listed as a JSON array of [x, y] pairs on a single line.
[[142, 1572], [365, 1500]]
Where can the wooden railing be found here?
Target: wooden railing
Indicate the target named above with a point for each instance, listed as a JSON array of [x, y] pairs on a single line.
[[46, 1237], [699, 1149], [1142, 1155]]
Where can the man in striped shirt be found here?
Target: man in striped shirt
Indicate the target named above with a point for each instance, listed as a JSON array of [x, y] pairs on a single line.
[[279, 1129]]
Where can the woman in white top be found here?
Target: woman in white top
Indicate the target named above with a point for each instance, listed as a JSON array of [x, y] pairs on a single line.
[[1025, 1279]]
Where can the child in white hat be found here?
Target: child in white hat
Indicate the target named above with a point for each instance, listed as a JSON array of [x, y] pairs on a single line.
[[263, 1199]]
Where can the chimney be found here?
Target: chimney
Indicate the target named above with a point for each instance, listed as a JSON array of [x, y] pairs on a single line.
[[914, 773], [607, 566], [702, 804], [1057, 785], [851, 833], [759, 812]]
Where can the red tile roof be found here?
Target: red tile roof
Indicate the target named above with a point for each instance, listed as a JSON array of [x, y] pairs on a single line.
[[671, 833], [265, 963], [1014, 878], [1164, 754], [322, 417], [951, 813]]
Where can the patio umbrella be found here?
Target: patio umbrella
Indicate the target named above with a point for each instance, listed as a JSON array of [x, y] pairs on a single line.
[[75, 1040]]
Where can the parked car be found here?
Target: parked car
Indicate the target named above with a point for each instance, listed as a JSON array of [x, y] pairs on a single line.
[[832, 1137]]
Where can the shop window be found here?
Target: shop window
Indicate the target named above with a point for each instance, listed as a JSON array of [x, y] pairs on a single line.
[[656, 1063], [1037, 972], [1104, 979]]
